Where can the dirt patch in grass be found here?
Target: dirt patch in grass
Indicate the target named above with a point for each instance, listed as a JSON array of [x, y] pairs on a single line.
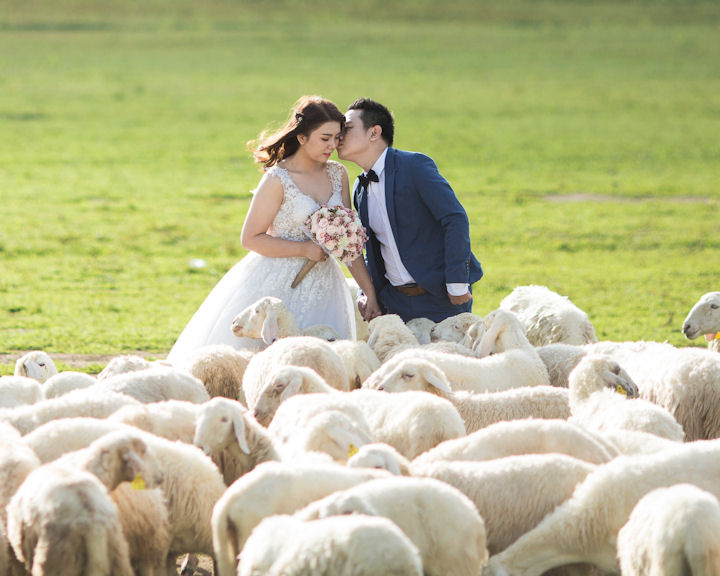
[[83, 360]]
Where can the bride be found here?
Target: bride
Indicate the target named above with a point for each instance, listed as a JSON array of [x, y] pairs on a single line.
[[299, 178]]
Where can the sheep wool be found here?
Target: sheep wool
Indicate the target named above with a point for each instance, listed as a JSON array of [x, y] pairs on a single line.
[[358, 545]]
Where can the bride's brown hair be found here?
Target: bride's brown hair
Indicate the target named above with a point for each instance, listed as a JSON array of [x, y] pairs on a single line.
[[308, 113]]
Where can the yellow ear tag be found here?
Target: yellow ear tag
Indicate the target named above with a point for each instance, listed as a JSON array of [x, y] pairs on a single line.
[[352, 450], [138, 483], [620, 390], [717, 336]]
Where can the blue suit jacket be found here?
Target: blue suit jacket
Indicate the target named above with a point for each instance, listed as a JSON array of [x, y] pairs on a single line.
[[428, 222]]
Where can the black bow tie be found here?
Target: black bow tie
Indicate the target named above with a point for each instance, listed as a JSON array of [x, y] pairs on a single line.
[[366, 179]]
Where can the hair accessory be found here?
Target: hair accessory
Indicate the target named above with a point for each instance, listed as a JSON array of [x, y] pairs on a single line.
[[298, 117]]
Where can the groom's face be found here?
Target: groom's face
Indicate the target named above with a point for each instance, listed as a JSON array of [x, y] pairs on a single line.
[[355, 138]]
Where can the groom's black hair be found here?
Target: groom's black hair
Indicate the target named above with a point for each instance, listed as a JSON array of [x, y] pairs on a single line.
[[375, 114]]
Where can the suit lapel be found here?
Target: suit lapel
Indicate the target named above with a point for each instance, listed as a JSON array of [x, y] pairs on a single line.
[[390, 175], [361, 206]]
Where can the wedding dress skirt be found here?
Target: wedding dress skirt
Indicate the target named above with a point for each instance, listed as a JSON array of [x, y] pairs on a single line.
[[323, 296]]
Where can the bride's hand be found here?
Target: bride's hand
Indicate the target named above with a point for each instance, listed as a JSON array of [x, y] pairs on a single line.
[[314, 252]]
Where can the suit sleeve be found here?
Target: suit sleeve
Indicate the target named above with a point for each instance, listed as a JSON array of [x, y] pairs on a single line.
[[439, 197]]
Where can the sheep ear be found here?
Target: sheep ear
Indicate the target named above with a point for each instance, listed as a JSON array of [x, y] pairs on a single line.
[[32, 370], [270, 329], [240, 428], [487, 343], [436, 378], [133, 463], [293, 387]]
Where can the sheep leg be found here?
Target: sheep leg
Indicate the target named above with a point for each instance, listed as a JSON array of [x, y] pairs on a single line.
[[189, 564]]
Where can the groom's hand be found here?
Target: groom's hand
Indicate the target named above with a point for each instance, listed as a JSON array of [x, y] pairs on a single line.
[[457, 300]]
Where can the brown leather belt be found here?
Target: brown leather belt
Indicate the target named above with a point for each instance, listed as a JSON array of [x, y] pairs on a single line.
[[411, 289]]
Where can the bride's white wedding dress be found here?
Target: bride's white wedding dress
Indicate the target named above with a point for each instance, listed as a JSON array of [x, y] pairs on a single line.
[[323, 296]]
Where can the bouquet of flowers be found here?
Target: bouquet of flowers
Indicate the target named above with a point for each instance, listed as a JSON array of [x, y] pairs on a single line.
[[338, 231]]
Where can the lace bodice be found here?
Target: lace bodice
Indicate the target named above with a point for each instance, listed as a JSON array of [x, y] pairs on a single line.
[[296, 206]]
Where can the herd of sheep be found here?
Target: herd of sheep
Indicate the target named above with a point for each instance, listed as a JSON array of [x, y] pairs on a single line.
[[514, 444]]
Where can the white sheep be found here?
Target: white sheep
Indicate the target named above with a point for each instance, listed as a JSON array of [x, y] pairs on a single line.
[[704, 318], [17, 460], [380, 456], [357, 545], [19, 391], [127, 363], [273, 488], [297, 351], [62, 521], [454, 328], [478, 410], [86, 402], [685, 381], [66, 381], [512, 494], [411, 422], [389, 335], [281, 384], [672, 531], [584, 528], [171, 419], [140, 504], [270, 319], [58, 437], [594, 403], [421, 328], [327, 423], [156, 384], [549, 317], [359, 359], [234, 441], [191, 484], [424, 509], [560, 360], [36, 365], [515, 437], [220, 368]]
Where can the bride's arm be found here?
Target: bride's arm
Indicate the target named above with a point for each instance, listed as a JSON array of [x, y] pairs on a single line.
[[370, 307], [264, 207]]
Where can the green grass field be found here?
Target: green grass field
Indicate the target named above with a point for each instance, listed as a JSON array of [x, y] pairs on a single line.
[[582, 137]]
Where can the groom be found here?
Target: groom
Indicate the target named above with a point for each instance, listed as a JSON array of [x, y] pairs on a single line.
[[418, 251]]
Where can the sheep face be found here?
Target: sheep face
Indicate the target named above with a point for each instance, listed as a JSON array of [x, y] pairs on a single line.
[[704, 318], [220, 424], [283, 383], [124, 458], [595, 372], [454, 328], [36, 365], [259, 320], [417, 375]]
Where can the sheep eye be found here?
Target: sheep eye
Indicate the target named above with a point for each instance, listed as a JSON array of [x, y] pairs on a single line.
[[615, 369], [714, 306], [406, 376], [41, 364], [224, 419]]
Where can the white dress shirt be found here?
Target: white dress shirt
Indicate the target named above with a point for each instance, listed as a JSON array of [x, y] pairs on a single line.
[[379, 221]]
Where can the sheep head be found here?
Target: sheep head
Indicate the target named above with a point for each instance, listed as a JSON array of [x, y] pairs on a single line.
[[36, 365], [454, 328], [504, 331], [704, 318], [281, 384], [415, 374], [597, 372], [220, 424], [121, 457], [268, 318]]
